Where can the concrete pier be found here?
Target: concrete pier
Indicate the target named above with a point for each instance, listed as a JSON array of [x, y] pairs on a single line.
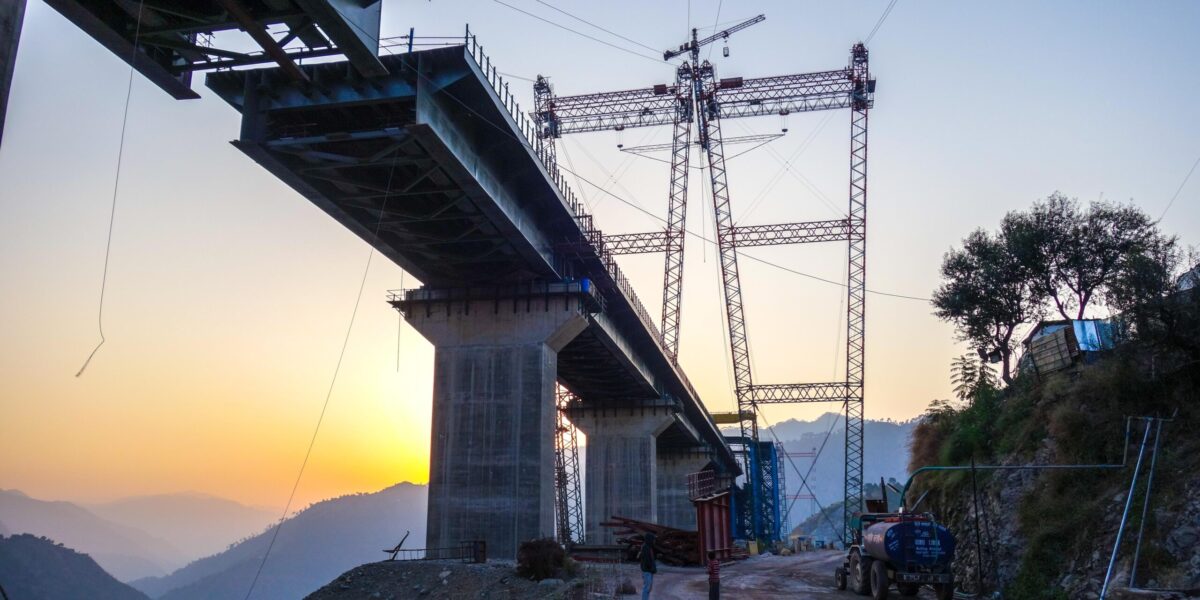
[[675, 509], [622, 464], [491, 472]]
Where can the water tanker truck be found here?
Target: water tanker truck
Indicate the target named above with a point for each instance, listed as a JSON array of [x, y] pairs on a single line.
[[906, 549]]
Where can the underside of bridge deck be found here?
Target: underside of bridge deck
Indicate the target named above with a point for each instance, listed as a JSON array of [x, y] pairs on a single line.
[[427, 165]]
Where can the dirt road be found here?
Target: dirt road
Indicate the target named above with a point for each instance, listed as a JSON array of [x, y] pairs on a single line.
[[806, 575]]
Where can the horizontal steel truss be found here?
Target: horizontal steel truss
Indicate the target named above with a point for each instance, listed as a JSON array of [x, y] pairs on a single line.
[[735, 97], [788, 393], [743, 236]]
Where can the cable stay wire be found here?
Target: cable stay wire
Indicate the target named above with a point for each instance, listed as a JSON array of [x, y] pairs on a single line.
[[786, 167], [804, 478], [586, 201], [1179, 189], [613, 178], [883, 17], [743, 254], [602, 189], [333, 380], [587, 22], [580, 33], [720, 3], [505, 131], [515, 76], [112, 212]]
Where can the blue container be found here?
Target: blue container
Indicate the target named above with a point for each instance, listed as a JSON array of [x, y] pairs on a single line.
[[910, 544]]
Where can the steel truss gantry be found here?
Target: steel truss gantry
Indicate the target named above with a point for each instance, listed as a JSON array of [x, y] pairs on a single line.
[[699, 98]]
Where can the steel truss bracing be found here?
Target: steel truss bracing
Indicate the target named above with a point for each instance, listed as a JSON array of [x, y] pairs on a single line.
[[743, 236], [712, 100], [568, 508], [735, 97]]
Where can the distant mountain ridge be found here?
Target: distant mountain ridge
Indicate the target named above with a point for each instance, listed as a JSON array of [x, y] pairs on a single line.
[[125, 552], [313, 547], [885, 454], [38, 568], [197, 524]]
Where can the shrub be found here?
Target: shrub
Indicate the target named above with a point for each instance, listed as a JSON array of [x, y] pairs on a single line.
[[540, 559]]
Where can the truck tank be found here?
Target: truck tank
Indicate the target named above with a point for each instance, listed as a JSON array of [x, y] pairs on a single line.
[[910, 543]]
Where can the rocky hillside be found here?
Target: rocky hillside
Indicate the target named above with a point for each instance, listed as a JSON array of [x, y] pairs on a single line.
[[1050, 533], [36, 567]]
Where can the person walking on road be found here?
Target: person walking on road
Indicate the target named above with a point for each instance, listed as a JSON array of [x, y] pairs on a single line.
[[714, 576], [649, 566]]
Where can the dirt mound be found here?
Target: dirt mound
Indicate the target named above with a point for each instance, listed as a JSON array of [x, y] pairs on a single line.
[[437, 579]]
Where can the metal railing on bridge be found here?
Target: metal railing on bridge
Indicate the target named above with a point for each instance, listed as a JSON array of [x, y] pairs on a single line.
[[593, 239]]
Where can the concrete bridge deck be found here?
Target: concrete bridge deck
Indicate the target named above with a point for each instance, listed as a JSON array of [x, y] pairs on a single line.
[[441, 173]]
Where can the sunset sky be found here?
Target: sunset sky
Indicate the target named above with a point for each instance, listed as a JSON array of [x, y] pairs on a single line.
[[229, 294]]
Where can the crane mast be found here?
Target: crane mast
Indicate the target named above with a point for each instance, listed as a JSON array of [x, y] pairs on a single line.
[[698, 98]]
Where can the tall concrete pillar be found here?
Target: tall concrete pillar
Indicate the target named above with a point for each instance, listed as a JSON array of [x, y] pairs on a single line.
[[491, 464], [675, 508], [622, 464]]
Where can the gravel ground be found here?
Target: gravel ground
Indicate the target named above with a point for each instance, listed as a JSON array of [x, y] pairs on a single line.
[[806, 575]]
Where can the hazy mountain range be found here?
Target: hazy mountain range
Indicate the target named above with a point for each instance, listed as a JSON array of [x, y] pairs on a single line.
[[124, 552], [885, 454], [35, 567], [313, 547], [197, 524]]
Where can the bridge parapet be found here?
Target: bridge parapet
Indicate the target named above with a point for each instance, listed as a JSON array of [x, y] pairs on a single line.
[[592, 239]]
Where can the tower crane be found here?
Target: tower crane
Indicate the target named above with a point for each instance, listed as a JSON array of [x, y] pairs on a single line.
[[698, 98]]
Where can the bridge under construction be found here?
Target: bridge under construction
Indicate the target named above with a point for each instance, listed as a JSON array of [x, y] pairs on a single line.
[[427, 156]]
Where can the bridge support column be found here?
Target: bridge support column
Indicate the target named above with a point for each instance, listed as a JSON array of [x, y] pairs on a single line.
[[675, 509], [622, 464], [491, 463]]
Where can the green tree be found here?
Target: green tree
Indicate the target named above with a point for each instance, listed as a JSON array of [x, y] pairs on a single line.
[[1070, 254], [971, 376], [987, 292], [964, 376]]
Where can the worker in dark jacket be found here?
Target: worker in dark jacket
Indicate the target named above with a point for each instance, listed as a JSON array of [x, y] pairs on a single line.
[[649, 566]]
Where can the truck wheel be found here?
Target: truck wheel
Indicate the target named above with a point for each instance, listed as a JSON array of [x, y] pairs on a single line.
[[860, 582], [944, 591], [839, 578], [879, 581], [908, 589]]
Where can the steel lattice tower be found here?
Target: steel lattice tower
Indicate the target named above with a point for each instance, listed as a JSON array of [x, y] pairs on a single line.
[[698, 98], [856, 284]]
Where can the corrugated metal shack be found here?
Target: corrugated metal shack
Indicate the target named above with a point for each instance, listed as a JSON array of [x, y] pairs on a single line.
[[1056, 345]]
